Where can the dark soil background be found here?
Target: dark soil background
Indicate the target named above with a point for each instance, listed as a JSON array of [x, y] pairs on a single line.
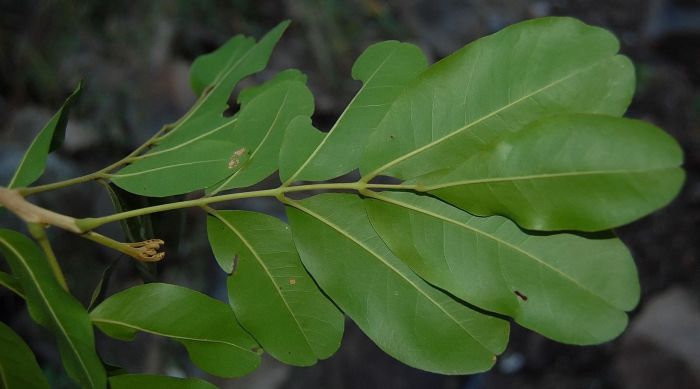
[[134, 59]]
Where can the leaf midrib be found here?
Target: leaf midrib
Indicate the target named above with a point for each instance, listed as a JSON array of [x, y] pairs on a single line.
[[481, 119], [269, 274], [49, 308], [138, 328], [183, 144], [498, 240], [541, 176], [388, 265], [163, 168]]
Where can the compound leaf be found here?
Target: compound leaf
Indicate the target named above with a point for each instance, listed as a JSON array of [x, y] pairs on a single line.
[[206, 327], [18, 366], [569, 172], [406, 317], [147, 381], [496, 85], [272, 295], [567, 287], [384, 69], [47, 140], [54, 308]]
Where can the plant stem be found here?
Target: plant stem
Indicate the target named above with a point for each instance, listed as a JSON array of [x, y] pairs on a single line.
[[92, 223], [60, 184], [37, 218], [37, 231], [31, 213], [88, 224]]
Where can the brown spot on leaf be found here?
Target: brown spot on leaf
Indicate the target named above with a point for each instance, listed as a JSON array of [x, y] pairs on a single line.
[[292, 281], [522, 296], [235, 159]]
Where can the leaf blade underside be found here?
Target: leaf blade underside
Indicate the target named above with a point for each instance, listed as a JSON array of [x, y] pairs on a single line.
[[50, 138], [551, 284], [407, 318], [568, 172], [214, 77], [496, 85], [18, 365], [384, 69], [272, 295], [54, 308], [265, 113], [206, 327]]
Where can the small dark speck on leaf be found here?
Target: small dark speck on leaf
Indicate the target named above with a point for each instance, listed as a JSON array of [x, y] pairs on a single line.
[[256, 350], [522, 296]]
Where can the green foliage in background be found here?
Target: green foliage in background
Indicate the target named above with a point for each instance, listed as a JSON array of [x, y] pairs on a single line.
[[489, 184]]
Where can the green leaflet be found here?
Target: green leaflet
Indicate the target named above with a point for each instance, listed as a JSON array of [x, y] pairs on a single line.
[[496, 85], [185, 145], [147, 381], [18, 366], [55, 309], [272, 295], [301, 139], [552, 284], [265, 113], [11, 283], [384, 69], [206, 327], [184, 170], [570, 172], [213, 77], [47, 140], [407, 318]]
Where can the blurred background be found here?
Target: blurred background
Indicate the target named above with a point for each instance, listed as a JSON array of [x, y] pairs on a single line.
[[134, 58]]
